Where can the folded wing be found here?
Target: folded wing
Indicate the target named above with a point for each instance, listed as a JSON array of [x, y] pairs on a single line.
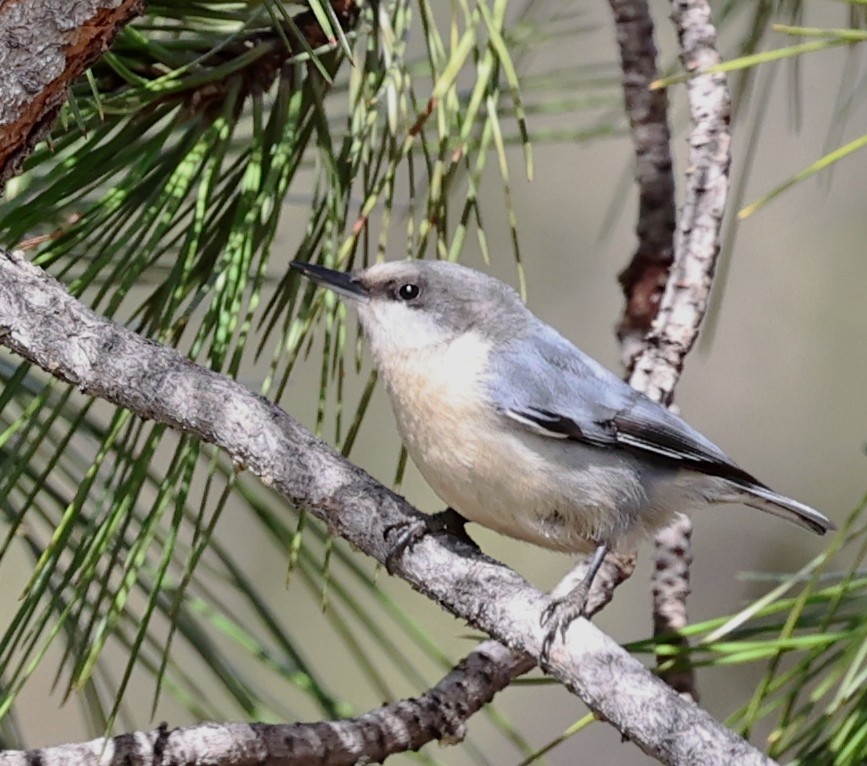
[[549, 387]]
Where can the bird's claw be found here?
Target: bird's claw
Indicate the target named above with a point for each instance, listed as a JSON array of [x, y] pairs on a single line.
[[408, 533], [559, 615]]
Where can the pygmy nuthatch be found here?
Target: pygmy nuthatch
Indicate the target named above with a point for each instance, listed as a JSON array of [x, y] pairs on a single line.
[[516, 429]]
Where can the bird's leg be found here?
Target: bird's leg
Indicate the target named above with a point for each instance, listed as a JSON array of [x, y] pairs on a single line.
[[409, 533], [560, 613]]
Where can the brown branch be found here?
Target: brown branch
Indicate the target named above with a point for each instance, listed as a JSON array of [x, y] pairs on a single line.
[[40, 321], [670, 587], [44, 46], [440, 713], [643, 280]]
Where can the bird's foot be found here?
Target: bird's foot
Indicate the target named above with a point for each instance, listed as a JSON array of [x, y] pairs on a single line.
[[407, 534], [560, 614]]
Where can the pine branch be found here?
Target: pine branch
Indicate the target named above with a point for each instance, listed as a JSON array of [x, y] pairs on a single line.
[[45, 45]]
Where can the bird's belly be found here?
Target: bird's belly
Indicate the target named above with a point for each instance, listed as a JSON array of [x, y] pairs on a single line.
[[557, 494], [541, 494]]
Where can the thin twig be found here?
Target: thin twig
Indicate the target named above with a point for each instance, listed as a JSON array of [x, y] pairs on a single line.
[[684, 302], [670, 588], [683, 305], [643, 280], [440, 713]]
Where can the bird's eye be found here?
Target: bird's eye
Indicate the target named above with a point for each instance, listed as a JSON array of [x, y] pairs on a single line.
[[408, 292]]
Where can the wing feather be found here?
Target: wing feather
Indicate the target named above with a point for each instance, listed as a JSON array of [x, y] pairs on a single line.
[[550, 388]]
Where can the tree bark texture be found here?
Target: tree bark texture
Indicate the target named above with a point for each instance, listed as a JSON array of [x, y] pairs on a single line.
[[687, 292], [643, 280], [441, 712], [44, 46]]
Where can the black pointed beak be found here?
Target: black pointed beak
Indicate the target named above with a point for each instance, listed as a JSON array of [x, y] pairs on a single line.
[[341, 282]]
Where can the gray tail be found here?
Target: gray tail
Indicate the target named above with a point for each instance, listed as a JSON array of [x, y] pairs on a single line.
[[767, 500]]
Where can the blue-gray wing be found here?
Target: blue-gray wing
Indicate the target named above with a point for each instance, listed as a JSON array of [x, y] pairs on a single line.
[[549, 387]]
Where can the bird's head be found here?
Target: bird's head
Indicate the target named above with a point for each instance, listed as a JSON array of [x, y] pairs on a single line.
[[410, 306]]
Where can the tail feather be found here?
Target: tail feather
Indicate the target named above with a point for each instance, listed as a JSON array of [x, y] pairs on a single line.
[[770, 502]]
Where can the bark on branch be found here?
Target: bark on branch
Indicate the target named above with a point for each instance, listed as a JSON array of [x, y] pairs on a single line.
[[439, 713], [687, 292], [655, 360], [697, 242], [44, 46], [643, 280], [40, 321]]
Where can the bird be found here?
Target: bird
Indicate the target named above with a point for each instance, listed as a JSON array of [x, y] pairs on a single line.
[[518, 430]]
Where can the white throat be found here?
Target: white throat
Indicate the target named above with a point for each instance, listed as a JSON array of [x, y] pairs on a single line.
[[395, 331]]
